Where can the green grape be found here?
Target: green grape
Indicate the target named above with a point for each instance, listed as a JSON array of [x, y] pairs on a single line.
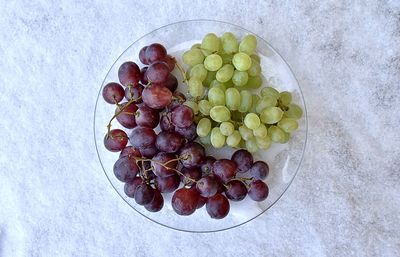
[[193, 57], [226, 58], [276, 134], [198, 71], [260, 131], [288, 125], [216, 83], [210, 44], [229, 43], [263, 142], [220, 113], [285, 139], [255, 100], [252, 121], [213, 62], [255, 69], [203, 127], [241, 61], [255, 58], [245, 132], [236, 116], [270, 91], [271, 115], [197, 118], [294, 111], [233, 140], [209, 78], [253, 82], [246, 100], [226, 128], [266, 101], [187, 74], [217, 139], [196, 88], [251, 145], [248, 44], [232, 98], [205, 140], [225, 73], [285, 98], [229, 84], [216, 96], [196, 46], [204, 107], [193, 105], [240, 78]]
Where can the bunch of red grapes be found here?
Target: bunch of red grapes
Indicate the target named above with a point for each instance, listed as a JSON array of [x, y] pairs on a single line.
[[156, 163]]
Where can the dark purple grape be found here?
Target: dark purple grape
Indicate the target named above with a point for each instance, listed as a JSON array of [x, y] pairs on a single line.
[[149, 151], [177, 100], [258, 190], [217, 206], [166, 122], [182, 116], [142, 137], [236, 190], [131, 152], [157, 72], [164, 170], [171, 83], [225, 169], [149, 174], [192, 155], [157, 203], [207, 166], [207, 186], [144, 194], [142, 55], [191, 173], [184, 201], [259, 170], [155, 52], [147, 117], [129, 74], [243, 159], [130, 186], [125, 169], [168, 141], [134, 92], [167, 184], [113, 93], [202, 201], [127, 117], [116, 140], [143, 77], [170, 61], [157, 96], [188, 133]]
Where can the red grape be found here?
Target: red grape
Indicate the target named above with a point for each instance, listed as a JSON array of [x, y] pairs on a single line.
[[236, 190], [148, 174], [192, 155], [113, 93], [130, 186], [155, 52], [168, 141], [127, 117], [224, 169], [258, 190], [217, 206], [130, 151], [143, 76], [202, 201], [125, 169], [142, 55], [193, 173], [171, 83], [167, 184], [134, 92], [157, 72], [164, 170], [207, 186], [206, 166], [157, 203], [259, 170], [184, 201], [170, 61], [188, 133], [182, 116], [177, 100], [147, 117], [148, 151], [166, 122], [157, 96], [129, 74], [142, 137], [144, 194], [116, 140], [243, 159]]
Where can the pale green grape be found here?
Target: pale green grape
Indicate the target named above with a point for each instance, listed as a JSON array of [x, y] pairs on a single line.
[[251, 145], [261, 131], [264, 102], [252, 121], [209, 78], [248, 44], [225, 73], [213, 62], [285, 139], [204, 107], [288, 125], [253, 82], [294, 111], [254, 104], [241, 61], [240, 78], [193, 105], [203, 127], [198, 71], [285, 98], [196, 46], [196, 88], [276, 134], [233, 140], [270, 91], [229, 43], [226, 128], [255, 69], [210, 44], [245, 132], [187, 74], [271, 115], [226, 58], [216, 96], [246, 100], [236, 116], [216, 83], [220, 113], [193, 57], [229, 84], [255, 58], [206, 140], [232, 98], [263, 142], [217, 139]]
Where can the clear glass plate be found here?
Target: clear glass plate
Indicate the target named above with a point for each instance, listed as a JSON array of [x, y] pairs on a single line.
[[284, 159]]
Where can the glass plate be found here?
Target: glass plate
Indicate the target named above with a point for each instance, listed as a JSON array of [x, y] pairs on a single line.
[[284, 159]]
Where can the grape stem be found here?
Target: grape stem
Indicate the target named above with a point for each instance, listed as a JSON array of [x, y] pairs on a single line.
[[119, 112]]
